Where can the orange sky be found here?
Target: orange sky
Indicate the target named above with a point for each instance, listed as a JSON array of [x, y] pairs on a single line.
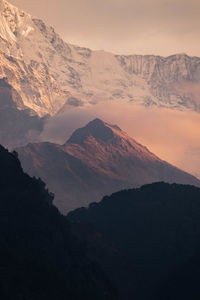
[[161, 27], [173, 135]]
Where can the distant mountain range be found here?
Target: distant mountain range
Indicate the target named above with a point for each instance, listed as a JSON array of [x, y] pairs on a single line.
[[47, 72], [98, 159]]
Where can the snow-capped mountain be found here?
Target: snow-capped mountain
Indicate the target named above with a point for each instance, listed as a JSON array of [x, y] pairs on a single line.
[[97, 160], [48, 72]]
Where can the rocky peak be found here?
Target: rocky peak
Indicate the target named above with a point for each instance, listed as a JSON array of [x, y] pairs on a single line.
[[98, 129]]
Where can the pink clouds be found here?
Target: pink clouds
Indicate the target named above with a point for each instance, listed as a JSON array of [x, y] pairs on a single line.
[[172, 135]]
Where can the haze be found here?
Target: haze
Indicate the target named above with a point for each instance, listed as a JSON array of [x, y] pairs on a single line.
[[156, 27], [161, 27], [172, 135]]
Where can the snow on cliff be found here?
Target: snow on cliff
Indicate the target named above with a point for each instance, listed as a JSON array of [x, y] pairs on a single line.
[[47, 72]]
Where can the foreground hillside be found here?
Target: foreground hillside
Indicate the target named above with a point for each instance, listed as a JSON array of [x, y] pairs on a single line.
[[141, 244], [39, 257], [147, 239], [98, 159]]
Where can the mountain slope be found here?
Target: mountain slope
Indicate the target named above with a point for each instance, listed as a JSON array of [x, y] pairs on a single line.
[[39, 256], [17, 127], [154, 232], [70, 71], [97, 160]]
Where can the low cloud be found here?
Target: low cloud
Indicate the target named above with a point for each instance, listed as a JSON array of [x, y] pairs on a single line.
[[172, 135]]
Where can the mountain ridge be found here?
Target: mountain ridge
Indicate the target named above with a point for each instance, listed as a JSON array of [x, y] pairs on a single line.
[[40, 257], [154, 250], [91, 76], [98, 159]]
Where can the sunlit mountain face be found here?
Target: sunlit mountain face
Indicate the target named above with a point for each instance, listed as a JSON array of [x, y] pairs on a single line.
[[97, 159], [64, 73], [57, 72], [51, 79], [112, 142]]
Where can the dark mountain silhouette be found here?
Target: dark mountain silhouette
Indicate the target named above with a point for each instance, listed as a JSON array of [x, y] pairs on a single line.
[[147, 240], [182, 283], [39, 256], [98, 159]]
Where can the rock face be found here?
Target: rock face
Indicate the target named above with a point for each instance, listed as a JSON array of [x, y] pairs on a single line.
[[97, 160], [38, 89], [22, 66], [173, 81], [17, 127], [47, 72]]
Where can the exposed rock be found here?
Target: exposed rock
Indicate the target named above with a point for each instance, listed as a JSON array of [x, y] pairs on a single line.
[[97, 160], [46, 71]]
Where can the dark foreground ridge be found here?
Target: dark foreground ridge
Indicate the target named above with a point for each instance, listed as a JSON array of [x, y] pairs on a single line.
[[39, 257], [147, 240]]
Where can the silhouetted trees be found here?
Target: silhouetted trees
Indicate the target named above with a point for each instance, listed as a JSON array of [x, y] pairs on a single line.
[[39, 256], [155, 231]]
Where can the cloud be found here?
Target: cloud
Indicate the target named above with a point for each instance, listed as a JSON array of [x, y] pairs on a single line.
[[160, 27], [172, 135]]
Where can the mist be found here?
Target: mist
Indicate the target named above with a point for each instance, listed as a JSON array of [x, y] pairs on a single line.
[[172, 135]]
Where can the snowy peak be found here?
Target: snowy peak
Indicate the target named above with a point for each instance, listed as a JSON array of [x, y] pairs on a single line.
[[14, 23], [99, 130], [39, 55], [4, 4], [7, 22], [36, 50]]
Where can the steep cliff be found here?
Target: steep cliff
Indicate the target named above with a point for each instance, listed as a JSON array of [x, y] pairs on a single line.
[[47, 72]]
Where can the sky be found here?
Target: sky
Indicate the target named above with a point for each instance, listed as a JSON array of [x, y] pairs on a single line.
[[160, 27], [172, 135]]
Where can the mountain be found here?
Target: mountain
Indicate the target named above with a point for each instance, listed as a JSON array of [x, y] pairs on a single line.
[[142, 244], [22, 64], [47, 72], [40, 258], [147, 240], [98, 159], [17, 127]]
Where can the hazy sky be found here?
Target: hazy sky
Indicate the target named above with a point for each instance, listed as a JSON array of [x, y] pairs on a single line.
[[160, 27], [173, 135]]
